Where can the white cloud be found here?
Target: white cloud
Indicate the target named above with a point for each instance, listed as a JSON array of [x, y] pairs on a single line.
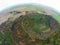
[[52, 3]]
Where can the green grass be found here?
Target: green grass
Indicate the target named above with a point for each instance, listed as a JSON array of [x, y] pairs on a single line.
[[34, 8], [55, 16], [36, 21], [1, 38], [36, 29], [8, 40]]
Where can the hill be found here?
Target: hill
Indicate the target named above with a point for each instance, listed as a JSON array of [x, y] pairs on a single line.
[[29, 25], [29, 28]]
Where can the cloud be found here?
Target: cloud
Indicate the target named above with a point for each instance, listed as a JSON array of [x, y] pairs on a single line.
[[52, 3]]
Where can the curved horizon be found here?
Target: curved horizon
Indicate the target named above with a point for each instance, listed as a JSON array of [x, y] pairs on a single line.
[[51, 3]]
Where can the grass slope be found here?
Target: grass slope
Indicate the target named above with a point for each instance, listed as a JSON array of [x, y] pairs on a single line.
[[55, 16]]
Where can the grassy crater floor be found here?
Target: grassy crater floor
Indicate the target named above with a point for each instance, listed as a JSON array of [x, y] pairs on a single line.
[[36, 24]]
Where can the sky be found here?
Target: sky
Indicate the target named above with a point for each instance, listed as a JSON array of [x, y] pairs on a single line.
[[51, 3]]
